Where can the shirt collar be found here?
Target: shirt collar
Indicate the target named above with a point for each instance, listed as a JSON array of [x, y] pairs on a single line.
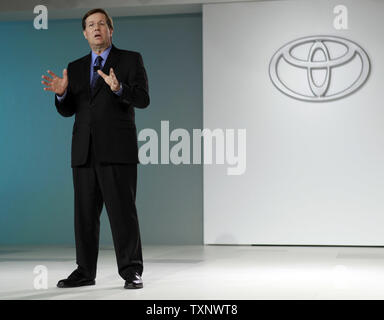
[[104, 55]]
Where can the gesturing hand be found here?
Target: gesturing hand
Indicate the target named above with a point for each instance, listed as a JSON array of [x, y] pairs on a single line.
[[110, 79], [56, 84]]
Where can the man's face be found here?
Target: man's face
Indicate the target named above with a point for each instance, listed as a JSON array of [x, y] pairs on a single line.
[[97, 32]]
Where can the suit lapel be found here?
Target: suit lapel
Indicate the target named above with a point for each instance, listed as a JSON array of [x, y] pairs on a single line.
[[87, 73], [111, 62]]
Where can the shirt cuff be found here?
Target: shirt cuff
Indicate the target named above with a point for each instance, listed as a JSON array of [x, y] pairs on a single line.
[[120, 91], [60, 98]]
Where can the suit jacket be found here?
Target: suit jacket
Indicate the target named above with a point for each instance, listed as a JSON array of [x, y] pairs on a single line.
[[108, 117]]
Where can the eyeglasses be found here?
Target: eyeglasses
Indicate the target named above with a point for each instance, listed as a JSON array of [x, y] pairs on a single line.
[[92, 25]]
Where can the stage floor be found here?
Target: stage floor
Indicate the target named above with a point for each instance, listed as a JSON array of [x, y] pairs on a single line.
[[205, 272]]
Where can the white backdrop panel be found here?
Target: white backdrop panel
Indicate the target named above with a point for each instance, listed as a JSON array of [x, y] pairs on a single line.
[[315, 171]]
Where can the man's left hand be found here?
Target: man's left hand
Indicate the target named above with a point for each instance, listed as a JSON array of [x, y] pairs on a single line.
[[110, 79]]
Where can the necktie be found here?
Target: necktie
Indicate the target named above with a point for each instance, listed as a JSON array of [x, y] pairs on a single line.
[[95, 75]]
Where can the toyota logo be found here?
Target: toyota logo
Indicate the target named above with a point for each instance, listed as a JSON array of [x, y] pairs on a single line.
[[342, 65]]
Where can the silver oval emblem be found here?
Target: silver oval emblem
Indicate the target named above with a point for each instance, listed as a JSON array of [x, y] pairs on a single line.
[[336, 54]]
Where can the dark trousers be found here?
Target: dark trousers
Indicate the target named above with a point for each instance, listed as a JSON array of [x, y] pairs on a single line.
[[114, 185]]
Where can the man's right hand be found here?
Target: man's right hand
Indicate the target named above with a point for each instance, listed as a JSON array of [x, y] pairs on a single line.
[[56, 84]]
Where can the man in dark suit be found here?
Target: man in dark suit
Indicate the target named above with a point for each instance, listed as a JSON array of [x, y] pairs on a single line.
[[102, 89]]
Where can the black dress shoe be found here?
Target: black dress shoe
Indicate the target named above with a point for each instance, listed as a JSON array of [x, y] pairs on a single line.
[[134, 282], [75, 280]]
